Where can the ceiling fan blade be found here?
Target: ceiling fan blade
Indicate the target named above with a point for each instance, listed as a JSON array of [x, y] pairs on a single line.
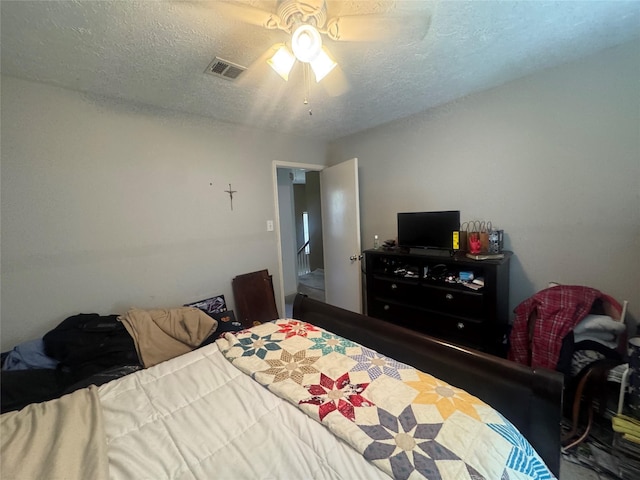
[[336, 82], [248, 14], [379, 27]]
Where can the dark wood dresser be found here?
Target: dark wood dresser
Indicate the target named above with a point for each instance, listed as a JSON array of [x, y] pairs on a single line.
[[423, 292]]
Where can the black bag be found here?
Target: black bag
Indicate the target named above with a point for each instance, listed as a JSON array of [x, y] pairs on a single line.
[[89, 343]]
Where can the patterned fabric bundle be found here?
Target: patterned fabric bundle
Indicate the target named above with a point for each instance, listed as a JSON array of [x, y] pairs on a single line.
[[406, 422]]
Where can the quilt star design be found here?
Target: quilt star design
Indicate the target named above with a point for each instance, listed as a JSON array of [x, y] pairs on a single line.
[[293, 327], [341, 395], [446, 398], [257, 345], [375, 364], [294, 366], [406, 444], [318, 379], [328, 343]]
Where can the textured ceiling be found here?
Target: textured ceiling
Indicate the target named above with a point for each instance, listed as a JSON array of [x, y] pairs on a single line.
[[154, 53]]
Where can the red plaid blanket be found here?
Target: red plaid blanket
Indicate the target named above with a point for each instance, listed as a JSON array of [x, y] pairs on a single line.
[[558, 310]]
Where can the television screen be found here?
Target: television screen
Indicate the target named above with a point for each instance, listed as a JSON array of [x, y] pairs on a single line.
[[428, 229]]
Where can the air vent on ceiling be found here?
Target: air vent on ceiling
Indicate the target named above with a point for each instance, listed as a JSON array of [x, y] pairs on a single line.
[[225, 69]]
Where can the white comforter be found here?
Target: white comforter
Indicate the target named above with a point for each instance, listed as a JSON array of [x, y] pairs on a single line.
[[198, 416]]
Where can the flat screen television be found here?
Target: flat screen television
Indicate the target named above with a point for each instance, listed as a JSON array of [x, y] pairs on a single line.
[[428, 229]]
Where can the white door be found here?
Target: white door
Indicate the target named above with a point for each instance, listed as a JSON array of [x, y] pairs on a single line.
[[341, 235]]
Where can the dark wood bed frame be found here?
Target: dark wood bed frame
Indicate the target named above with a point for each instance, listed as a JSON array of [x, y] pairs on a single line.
[[530, 398]]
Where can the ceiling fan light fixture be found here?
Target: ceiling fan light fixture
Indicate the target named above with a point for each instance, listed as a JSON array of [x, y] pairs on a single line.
[[322, 65], [306, 43], [282, 62]]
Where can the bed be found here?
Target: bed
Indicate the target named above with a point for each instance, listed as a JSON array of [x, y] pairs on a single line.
[[328, 394]]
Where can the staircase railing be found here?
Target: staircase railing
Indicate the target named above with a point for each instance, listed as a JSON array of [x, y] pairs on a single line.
[[303, 260]]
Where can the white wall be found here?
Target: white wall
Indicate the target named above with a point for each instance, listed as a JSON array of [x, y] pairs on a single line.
[[553, 159], [107, 206]]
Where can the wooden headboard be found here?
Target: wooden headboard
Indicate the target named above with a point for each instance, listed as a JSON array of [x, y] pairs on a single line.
[[530, 398]]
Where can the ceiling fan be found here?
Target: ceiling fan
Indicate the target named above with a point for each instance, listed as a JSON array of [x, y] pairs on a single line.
[[307, 21]]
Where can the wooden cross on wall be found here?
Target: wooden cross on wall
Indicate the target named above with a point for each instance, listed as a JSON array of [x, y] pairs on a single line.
[[231, 192]]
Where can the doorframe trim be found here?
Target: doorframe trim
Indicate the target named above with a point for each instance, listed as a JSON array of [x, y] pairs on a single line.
[[275, 164]]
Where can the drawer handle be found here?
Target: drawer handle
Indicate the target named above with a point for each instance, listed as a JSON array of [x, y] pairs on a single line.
[[394, 286], [386, 307], [460, 325], [449, 296]]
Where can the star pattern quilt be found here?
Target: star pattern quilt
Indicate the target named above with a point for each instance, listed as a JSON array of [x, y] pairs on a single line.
[[408, 423]]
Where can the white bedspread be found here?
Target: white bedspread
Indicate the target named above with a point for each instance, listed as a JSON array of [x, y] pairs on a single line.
[[198, 416]]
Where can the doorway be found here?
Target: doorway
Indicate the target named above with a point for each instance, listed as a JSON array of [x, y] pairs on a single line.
[[338, 231], [300, 228]]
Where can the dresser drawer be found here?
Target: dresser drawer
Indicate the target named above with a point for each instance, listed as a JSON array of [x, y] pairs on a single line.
[[455, 302], [403, 315], [454, 329], [395, 289], [464, 332]]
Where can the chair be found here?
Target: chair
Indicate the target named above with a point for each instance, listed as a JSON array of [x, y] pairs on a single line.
[[590, 387]]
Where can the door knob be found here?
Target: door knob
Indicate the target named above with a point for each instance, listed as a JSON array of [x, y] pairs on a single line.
[[353, 258]]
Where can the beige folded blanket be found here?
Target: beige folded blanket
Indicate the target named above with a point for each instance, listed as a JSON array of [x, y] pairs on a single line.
[[162, 334], [55, 440]]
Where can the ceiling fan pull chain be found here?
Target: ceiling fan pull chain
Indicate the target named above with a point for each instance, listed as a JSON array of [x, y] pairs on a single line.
[[305, 71]]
